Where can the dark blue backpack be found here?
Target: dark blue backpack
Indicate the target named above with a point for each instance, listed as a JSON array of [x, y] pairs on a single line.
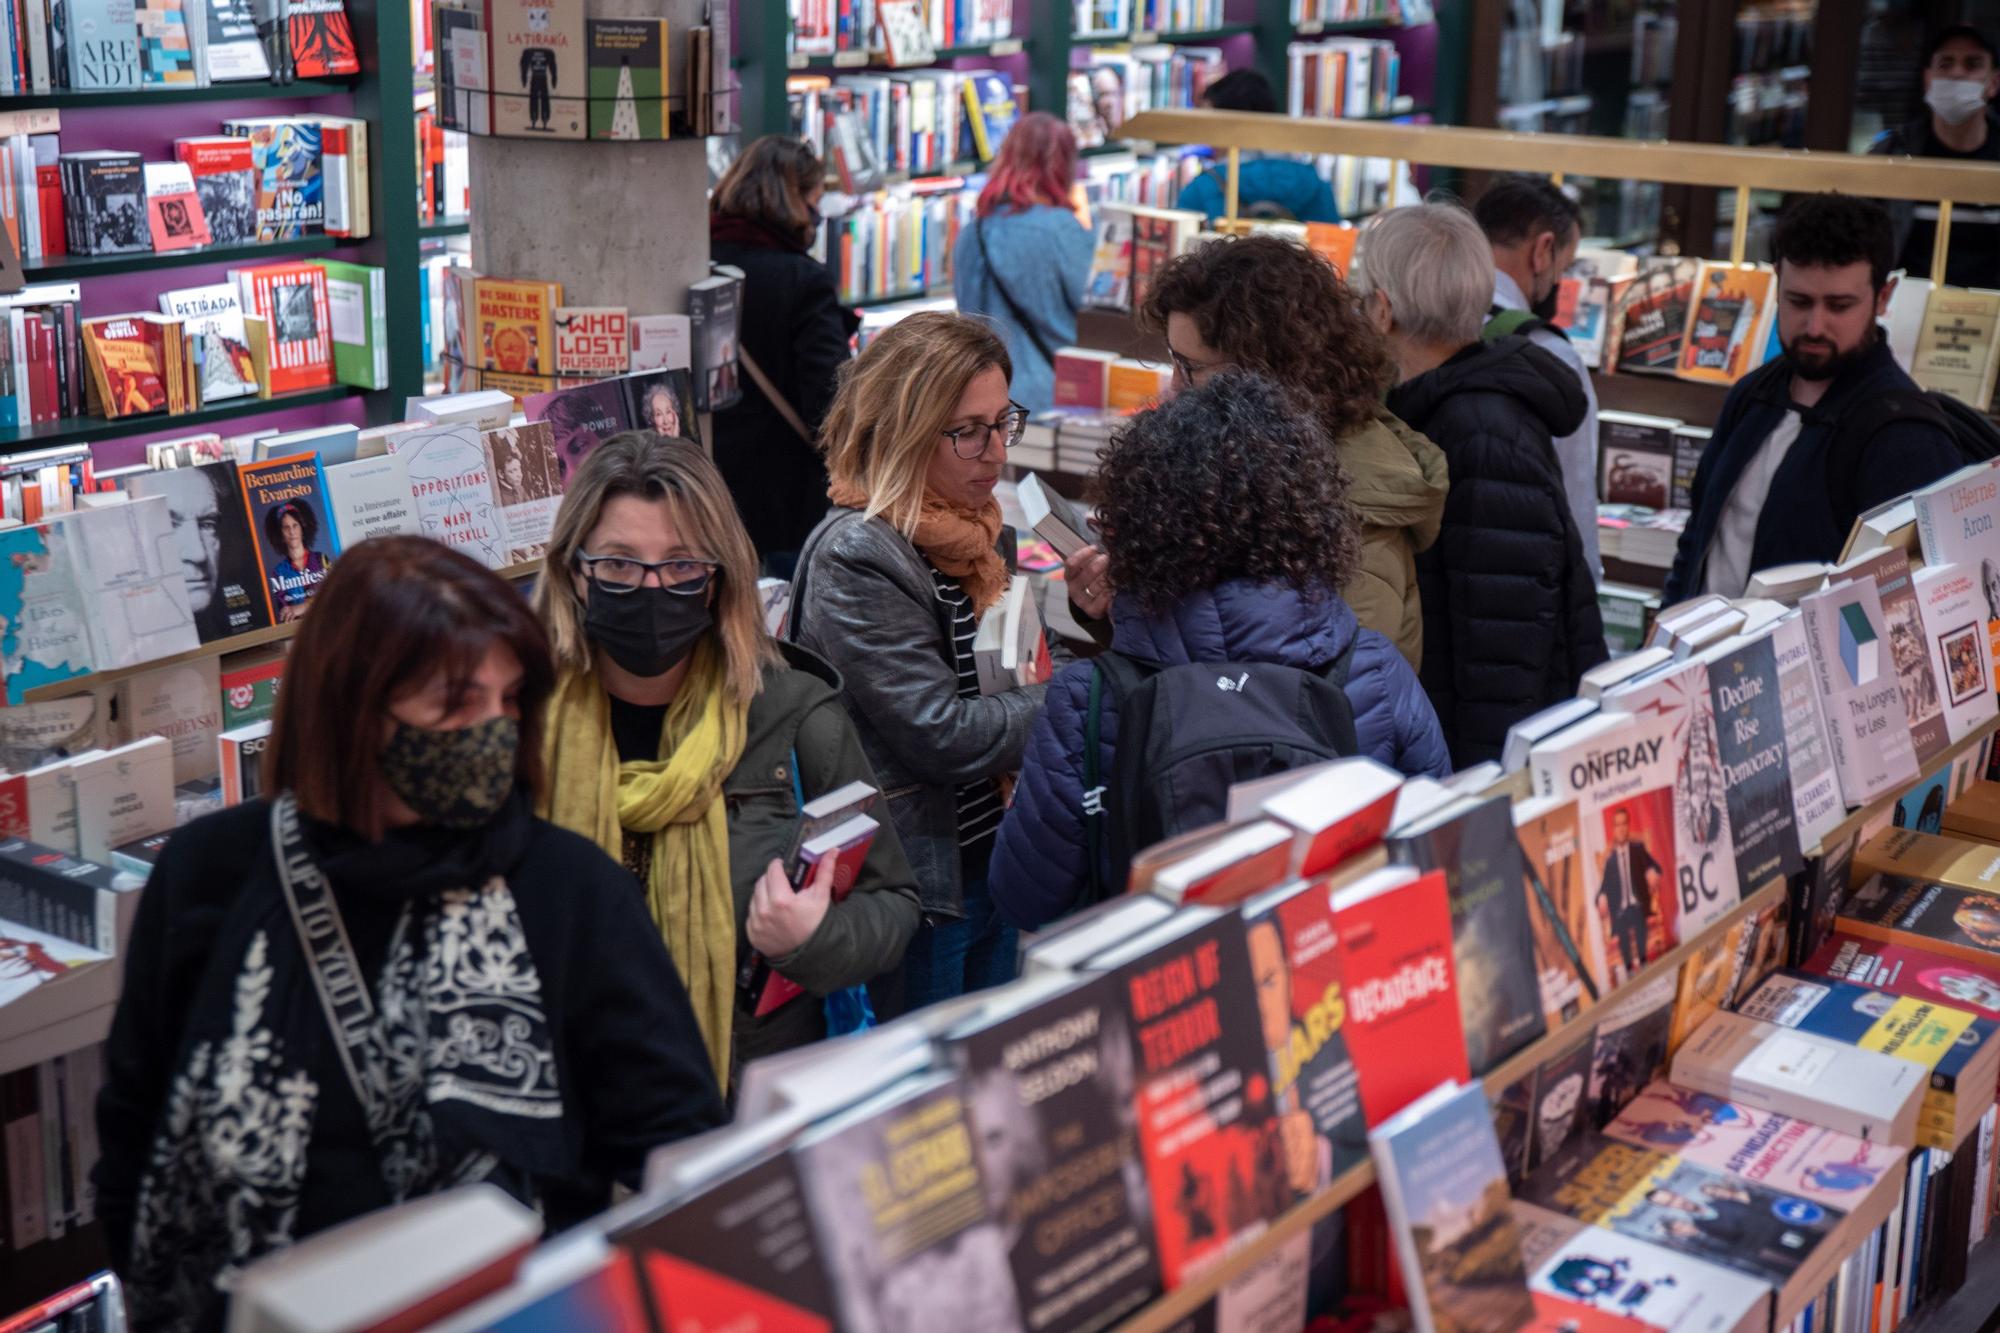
[[1186, 733]]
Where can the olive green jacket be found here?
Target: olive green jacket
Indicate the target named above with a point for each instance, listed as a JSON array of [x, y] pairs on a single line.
[[799, 714], [1397, 487]]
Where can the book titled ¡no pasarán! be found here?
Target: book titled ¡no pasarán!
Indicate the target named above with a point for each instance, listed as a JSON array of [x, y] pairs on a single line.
[[284, 502]]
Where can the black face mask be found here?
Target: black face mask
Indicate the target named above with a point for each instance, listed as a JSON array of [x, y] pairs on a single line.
[[646, 631], [453, 779]]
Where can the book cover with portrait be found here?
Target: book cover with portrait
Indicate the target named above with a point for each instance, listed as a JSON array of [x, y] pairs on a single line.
[[213, 543], [527, 486], [1050, 1083], [662, 401], [284, 502]]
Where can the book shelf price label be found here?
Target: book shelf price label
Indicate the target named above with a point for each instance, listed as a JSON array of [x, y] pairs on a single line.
[[797, 60], [1140, 37], [1312, 29], [850, 59], [1007, 46]]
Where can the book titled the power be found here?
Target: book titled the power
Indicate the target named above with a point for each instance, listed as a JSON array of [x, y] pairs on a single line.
[[1872, 1096]]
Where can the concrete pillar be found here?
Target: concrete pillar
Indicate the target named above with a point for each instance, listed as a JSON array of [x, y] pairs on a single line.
[[620, 224]]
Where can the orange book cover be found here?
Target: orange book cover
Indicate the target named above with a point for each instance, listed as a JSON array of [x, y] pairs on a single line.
[[1131, 385], [1725, 329], [515, 325], [128, 364], [291, 299], [1336, 241]]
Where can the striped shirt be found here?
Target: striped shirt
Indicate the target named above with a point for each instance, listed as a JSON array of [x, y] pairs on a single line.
[[979, 806]]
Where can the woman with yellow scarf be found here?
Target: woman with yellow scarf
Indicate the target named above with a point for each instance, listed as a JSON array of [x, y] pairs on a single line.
[[683, 739]]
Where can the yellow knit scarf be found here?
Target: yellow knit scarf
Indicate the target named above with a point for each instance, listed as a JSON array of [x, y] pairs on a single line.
[[677, 801]]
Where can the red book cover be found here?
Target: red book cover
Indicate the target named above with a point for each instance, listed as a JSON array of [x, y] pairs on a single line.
[[1404, 1028], [848, 845], [1341, 810], [1206, 1129], [51, 406], [1900, 969], [292, 298], [128, 363], [14, 806], [321, 39], [35, 338], [49, 196], [1079, 381]]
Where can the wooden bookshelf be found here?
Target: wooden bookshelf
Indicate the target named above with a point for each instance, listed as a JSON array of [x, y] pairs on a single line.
[[235, 643], [1166, 1312]]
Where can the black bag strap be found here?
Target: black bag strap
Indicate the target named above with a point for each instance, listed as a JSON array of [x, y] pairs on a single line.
[[1855, 428], [1013, 307], [1093, 788]]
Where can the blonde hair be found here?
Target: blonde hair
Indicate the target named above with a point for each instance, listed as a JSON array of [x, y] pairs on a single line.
[[653, 467], [895, 400]]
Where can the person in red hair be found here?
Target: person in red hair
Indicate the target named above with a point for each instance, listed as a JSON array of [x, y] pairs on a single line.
[[1001, 269]]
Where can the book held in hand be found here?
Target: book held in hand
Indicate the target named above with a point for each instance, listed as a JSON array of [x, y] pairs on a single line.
[[1009, 647]]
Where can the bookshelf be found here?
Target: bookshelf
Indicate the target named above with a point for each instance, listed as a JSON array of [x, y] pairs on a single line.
[[235, 643], [81, 430], [159, 97], [145, 119], [1167, 1312]]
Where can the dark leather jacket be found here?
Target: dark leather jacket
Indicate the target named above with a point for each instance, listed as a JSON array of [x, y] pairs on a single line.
[[864, 600]]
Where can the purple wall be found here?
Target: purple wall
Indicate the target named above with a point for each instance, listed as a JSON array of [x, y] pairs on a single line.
[[151, 131]]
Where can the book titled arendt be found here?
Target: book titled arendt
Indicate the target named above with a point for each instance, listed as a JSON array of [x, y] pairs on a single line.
[[284, 501]]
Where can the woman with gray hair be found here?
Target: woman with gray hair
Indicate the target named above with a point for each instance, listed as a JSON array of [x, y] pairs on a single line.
[[1510, 608]]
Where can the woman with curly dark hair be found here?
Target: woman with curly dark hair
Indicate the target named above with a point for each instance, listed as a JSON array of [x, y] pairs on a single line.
[[1225, 517], [1270, 306]]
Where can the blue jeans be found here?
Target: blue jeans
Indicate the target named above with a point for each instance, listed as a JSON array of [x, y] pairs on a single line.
[[951, 958]]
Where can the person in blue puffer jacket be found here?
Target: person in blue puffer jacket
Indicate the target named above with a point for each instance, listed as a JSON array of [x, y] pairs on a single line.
[[1224, 514]]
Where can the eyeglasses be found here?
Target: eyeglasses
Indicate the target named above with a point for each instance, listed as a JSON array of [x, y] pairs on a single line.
[[969, 442], [618, 575], [1186, 371]]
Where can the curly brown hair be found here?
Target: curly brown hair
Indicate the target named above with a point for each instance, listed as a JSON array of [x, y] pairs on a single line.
[[1226, 481], [1272, 306]]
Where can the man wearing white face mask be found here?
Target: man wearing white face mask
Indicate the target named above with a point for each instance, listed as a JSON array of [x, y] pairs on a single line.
[[1961, 77]]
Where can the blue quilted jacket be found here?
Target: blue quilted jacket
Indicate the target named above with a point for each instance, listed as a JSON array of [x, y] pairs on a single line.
[[1038, 868]]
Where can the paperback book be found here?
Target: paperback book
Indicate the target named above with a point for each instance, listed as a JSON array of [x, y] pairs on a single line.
[[225, 180], [217, 556], [1756, 774], [1499, 997], [1052, 1103], [1846, 637], [1394, 943], [592, 342], [1445, 1191], [291, 299], [1315, 1088], [1607, 1282], [371, 497], [629, 78], [1815, 784], [214, 314], [285, 159], [453, 486], [579, 419], [1864, 1093], [527, 486], [284, 503]]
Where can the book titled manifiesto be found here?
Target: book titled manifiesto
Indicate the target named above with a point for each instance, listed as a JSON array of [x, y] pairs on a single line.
[[284, 500]]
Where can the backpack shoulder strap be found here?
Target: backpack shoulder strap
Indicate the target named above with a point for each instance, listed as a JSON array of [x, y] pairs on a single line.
[[1854, 429], [1120, 675], [1501, 323], [1337, 670]]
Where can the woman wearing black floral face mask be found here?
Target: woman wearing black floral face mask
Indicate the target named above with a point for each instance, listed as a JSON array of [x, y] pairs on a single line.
[[683, 739], [391, 977]]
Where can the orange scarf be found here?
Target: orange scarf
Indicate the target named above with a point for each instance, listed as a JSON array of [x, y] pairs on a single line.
[[961, 542]]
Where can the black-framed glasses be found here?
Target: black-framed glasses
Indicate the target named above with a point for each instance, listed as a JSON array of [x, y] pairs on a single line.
[[1186, 370], [620, 574], [969, 442]]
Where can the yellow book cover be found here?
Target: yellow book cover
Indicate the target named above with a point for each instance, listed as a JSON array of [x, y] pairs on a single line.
[[1955, 346], [514, 322], [1726, 322], [1931, 857]]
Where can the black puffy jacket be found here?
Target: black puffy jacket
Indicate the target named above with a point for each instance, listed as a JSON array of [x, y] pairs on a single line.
[[1510, 609]]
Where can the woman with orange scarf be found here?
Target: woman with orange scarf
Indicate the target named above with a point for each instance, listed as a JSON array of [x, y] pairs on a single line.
[[890, 588]]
